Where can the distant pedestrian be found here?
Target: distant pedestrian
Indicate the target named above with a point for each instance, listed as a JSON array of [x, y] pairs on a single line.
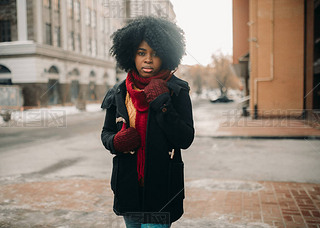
[[148, 121]]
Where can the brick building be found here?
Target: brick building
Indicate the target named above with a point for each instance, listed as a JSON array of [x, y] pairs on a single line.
[[58, 51], [276, 50]]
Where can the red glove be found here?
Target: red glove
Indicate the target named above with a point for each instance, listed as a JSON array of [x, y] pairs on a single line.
[[155, 88], [126, 140]]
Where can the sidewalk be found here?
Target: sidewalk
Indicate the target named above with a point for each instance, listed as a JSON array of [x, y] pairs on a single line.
[[267, 128], [225, 121], [255, 204], [209, 203]]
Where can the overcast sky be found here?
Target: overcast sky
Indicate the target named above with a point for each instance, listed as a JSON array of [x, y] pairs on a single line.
[[208, 28]]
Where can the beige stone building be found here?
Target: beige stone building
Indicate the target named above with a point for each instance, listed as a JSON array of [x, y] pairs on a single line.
[[276, 50], [58, 50]]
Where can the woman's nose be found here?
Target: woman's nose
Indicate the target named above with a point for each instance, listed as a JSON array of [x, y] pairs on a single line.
[[148, 59]]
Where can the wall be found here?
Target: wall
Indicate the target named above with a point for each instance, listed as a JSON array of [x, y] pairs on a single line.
[[277, 57], [240, 29], [31, 73]]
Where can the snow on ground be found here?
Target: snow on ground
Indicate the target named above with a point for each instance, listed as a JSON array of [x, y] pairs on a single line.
[[55, 116], [41, 114], [207, 125]]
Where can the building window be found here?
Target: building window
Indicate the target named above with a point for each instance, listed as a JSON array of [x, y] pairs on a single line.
[[4, 2], [57, 5], [47, 4], [89, 49], [88, 16], [79, 42], [5, 31], [4, 70], [77, 10], [70, 8], [93, 19], [78, 48], [71, 41], [48, 34], [57, 33]]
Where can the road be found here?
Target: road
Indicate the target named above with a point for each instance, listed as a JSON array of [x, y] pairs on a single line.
[[73, 150], [76, 150], [39, 155]]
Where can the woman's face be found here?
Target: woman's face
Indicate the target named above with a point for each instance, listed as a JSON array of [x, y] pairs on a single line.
[[147, 62]]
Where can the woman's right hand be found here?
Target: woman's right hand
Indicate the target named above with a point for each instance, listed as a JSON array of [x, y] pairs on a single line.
[[126, 140]]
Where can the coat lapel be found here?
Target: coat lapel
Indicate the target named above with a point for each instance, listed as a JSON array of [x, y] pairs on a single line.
[[120, 95]]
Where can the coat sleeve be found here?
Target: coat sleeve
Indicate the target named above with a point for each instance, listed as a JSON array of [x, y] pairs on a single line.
[[174, 116], [109, 128]]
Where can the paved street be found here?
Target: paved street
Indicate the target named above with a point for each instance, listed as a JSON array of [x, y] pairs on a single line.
[[59, 177]]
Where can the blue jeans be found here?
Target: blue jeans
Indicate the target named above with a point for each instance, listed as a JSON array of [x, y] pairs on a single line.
[[131, 223]]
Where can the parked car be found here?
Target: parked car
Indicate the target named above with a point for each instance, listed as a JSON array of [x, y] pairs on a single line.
[[222, 99]]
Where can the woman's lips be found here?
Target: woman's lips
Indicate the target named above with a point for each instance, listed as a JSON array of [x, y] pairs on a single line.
[[147, 70]]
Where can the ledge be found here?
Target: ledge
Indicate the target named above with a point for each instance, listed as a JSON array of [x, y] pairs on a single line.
[[23, 48]]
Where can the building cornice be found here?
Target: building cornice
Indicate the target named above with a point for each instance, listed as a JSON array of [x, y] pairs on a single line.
[[29, 48]]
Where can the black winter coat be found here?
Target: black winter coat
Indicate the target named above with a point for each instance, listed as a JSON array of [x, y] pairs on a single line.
[[169, 127]]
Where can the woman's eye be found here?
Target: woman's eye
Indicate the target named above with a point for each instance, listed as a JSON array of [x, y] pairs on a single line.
[[141, 53], [154, 54]]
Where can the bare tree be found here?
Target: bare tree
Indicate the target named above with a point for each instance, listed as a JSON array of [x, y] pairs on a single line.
[[222, 73], [217, 74], [196, 72]]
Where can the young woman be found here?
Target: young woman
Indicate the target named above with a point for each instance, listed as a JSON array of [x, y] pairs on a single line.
[[148, 121]]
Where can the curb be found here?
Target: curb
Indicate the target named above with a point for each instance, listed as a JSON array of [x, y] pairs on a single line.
[[309, 137]]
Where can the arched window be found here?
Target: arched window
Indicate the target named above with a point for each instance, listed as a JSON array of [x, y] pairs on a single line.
[[5, 76], [53, 73], [92, 74], [4, 70], [76, 72], [53, 70]]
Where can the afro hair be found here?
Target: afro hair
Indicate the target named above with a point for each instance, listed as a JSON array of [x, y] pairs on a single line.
[[163, 36]]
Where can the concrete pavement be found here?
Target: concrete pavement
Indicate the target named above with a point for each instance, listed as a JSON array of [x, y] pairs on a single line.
[[209, 203], [230, 182], [227, 122]]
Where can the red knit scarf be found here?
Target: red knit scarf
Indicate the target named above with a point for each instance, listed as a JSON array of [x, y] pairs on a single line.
[[138, 98]]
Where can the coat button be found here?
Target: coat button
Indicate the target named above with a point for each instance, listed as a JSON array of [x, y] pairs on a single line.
[[118, 90], [164, 109]]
